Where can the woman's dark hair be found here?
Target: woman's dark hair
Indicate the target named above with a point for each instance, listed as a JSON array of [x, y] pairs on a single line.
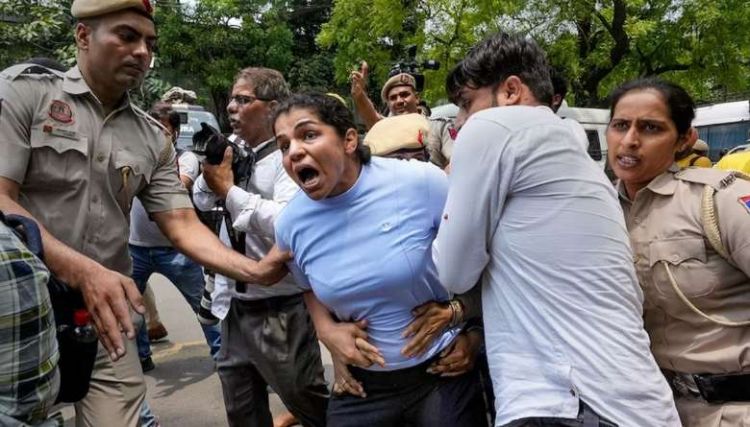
[[498, 57], [681, 106], [329, 110]]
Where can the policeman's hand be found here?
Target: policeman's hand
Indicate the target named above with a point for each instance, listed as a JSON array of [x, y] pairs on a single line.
[[271, 268], [344, 382], [359, 80], [343, 341], [220, 178], [430, 319], [459, 357], [107, 295]]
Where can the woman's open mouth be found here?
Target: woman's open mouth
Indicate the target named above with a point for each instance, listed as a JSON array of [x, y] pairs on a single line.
[[308, 177]]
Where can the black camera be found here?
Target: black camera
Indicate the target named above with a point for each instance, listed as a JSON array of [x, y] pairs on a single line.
[[211, 144], [410, 65]]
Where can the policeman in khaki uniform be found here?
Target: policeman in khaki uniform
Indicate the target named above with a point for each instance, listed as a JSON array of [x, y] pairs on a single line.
[[401, 96], [73, 153], [690, 234]]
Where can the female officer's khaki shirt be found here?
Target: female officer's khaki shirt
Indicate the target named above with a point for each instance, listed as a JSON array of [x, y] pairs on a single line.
[[664, 222]]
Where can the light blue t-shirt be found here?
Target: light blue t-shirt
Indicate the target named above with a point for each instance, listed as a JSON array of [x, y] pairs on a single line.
[[367, 252]]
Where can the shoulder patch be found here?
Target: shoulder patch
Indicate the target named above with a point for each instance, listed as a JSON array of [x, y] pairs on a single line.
[[30, 70], [745, 201]]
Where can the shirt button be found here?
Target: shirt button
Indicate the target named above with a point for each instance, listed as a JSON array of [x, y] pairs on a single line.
[[100, 157], [674, 258], [137, 169], [637, 220], [95, 199]]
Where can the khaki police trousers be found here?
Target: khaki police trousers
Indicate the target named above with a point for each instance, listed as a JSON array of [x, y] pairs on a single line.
[[697, 413], [117, 389]]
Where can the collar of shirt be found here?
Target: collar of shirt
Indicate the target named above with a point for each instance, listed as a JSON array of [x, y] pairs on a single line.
[[75, 84], [664, 184]]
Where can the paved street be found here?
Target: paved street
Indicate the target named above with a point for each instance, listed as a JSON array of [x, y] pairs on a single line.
[[184, 390]]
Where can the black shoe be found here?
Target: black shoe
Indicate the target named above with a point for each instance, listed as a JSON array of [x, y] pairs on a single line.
[[147, 364]]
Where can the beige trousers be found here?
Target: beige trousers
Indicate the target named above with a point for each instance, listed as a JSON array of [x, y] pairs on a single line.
[[697, 413], [117, 390]]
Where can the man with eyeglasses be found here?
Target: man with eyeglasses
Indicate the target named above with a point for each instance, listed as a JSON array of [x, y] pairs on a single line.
[[267, 337]]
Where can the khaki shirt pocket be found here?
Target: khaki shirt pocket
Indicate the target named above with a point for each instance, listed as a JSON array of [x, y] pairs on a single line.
[[57, 160], [686, 257], [133, 173]]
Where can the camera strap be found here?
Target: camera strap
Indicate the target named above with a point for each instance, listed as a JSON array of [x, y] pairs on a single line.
[[237, 238]]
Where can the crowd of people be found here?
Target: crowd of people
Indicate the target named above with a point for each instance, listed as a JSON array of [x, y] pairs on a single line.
[[482, 271]]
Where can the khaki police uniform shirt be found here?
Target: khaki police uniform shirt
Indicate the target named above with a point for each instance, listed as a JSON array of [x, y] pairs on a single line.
[[78, 168], [440, 141], [664, 222]]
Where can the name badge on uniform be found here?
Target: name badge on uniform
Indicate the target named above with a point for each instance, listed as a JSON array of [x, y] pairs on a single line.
[[65, 133]]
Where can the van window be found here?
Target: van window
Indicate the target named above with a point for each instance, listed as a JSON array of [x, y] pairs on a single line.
[[595, 149]]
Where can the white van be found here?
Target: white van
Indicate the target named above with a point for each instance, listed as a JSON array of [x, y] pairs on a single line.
[[594, 122], [723, 126]]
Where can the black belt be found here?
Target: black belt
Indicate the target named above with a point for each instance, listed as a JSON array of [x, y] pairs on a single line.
[[398, 379], [713, 388]]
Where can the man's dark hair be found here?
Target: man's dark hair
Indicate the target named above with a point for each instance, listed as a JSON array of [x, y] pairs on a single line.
[[498, 57], [163, 112], [681, 105], [329, 110]]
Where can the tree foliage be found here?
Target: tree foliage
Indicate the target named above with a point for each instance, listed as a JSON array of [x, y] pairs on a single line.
[[203, 48], [701, 44], [31, 28]]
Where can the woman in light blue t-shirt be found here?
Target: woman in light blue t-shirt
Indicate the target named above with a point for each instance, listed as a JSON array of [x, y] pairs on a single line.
[[361, 232]]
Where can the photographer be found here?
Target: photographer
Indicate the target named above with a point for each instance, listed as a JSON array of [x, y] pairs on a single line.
[[266, 335], [401, 95]]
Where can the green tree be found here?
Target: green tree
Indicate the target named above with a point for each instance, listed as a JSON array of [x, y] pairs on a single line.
[[701, 44], [203, 48], [30, 28]]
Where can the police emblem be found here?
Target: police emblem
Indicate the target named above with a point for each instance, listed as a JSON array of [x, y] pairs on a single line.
[[61, 112], [745, 201]]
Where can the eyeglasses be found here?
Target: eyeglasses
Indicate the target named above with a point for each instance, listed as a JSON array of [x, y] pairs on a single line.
[[246, 99]]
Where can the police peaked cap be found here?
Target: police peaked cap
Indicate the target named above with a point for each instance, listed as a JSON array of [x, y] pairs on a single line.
[[403, 79], [92, 8]]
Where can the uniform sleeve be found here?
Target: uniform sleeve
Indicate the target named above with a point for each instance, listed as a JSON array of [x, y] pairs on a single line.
[[733, 209], [440, 142], [165, 192], [481, 179], [254, 214], [16, 118]]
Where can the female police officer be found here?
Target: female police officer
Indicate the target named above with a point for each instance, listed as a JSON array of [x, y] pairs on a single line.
[[693, 269]]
